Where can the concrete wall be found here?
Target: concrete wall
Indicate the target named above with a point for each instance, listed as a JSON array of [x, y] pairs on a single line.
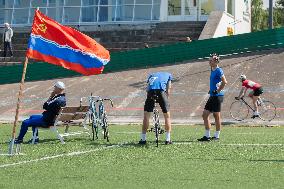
[[226, 20], [242, 13]]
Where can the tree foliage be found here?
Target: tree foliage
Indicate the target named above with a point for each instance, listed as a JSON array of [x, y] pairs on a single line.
[[260, 16]]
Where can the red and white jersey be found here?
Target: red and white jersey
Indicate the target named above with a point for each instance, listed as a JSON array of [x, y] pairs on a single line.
[[251, 84]]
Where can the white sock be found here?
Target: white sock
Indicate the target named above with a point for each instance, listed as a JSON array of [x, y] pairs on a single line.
[[143, 137], [207, 133], [168, 136], [255, 113], [217, 134]]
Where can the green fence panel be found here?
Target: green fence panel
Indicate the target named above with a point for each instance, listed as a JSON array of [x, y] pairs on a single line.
[[165, 54]]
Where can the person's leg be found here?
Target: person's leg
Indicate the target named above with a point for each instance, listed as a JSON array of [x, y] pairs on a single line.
[[5, 49], [35, 120], [168, 126], [207, 124], [217, 116], [148, 108], [145, 125], [10, 48], [165, 106], [254, 102]]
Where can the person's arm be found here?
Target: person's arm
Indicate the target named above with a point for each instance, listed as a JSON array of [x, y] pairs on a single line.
[[169, 86], [11, 34], [223, 83]]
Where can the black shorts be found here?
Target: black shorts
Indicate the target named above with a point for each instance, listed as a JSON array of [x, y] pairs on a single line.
[[161, 98], [258, 92], [214, 103]]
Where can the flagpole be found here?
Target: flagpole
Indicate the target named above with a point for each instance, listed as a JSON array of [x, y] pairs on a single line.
[[18, 106]]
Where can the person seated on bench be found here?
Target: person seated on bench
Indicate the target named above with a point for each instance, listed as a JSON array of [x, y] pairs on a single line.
[[52, 108]]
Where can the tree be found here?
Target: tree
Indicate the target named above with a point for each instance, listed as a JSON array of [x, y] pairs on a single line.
[[280, 2], [278, 15], [258, 15]]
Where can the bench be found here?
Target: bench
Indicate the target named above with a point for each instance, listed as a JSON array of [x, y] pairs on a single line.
[[68, 116]]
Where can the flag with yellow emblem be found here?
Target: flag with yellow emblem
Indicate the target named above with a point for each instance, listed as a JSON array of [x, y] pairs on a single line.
[[64, 46]]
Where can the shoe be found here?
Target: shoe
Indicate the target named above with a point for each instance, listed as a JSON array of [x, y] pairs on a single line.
[[215, 139], [31, 141], [204, 139], [168, 142], [18, 141], [254, 116], [142, 142]]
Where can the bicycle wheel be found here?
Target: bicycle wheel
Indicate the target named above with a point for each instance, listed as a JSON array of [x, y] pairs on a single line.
[[156, 127], [239, 110], [105, 129], [95, 129], [157, 135], [267, 110]]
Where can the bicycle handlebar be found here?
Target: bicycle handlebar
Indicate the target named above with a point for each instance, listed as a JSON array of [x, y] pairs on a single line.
[[105, 99]]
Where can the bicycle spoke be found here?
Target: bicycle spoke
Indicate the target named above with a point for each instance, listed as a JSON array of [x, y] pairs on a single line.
[[267, 110], [239, 111]]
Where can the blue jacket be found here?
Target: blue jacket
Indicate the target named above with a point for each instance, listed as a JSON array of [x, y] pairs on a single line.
[[52, 108]]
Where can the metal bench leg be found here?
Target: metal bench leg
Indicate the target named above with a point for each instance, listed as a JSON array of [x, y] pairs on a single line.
[[34, 135], [58, 135]]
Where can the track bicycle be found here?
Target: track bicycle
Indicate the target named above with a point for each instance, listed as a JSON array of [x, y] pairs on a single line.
[[102, 115], [239, 109], [97, 115], [156, 122]]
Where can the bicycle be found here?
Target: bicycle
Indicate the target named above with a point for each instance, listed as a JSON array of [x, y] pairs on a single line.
[[239, 109], [98, 116], [156, 122], [102, 115]]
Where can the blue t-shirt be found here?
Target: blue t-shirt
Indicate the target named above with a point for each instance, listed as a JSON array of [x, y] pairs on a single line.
[[215, 81], [159, 80]]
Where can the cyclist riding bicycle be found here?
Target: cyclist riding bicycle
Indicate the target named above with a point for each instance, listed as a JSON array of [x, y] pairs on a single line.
[[254, 94]]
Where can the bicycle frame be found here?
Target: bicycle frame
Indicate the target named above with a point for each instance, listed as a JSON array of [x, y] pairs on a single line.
[[156, 122], [245, 102]]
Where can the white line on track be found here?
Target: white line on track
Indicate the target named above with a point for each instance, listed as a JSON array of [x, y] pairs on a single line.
[[60, 155]]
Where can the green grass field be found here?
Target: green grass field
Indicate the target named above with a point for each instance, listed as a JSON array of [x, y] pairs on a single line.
[[246, 157]]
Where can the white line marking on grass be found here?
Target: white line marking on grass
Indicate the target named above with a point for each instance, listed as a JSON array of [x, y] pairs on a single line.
[[60, 155], [189, 143], [128, 132], [252, 144]]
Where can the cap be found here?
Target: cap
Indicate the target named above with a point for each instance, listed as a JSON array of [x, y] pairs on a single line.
[[60, 85]]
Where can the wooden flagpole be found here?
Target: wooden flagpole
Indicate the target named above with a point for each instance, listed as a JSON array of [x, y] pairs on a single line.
[[18, 106]]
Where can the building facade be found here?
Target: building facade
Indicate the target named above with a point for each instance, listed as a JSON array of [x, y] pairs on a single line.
[[94, 12]]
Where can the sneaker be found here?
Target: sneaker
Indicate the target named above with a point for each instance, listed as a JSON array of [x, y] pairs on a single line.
[[215, 139], [18, 141], [31, 141], [254, 116], [142, 142], [204, 139], [168, 142]]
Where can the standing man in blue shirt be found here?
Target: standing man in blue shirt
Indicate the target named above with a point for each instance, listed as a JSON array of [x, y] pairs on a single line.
[[159, 85], [213, 105], [52, 108]]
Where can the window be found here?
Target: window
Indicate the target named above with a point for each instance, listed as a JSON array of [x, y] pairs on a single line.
[[21, 16], [71, 15], [55, 13], [38, 3], [142, 12], [89, 14]]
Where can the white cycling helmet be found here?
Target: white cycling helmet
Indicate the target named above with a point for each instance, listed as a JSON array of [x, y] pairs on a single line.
[[60, 85], [243, 77]]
